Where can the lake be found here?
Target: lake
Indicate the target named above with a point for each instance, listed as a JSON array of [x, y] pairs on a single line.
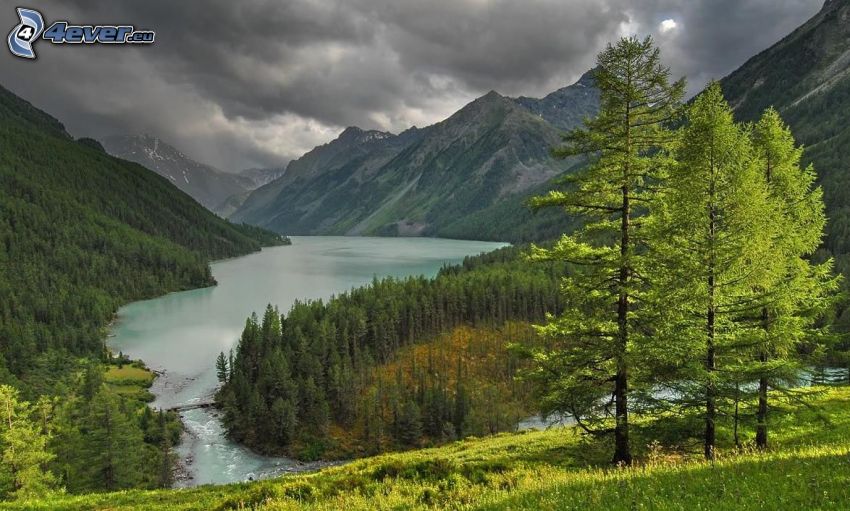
[[181, 334]]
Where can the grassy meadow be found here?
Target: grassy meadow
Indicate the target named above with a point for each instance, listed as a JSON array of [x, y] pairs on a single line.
[[807, 467], [131, 380]]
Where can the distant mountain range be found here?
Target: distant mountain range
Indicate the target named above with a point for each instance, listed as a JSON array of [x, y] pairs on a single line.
[[469, 175], [219, 191], [487, 157]]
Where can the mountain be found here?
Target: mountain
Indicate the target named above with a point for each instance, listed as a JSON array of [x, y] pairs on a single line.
[[806, 77], [353, 148], [208, 185], [253, 179], [426, 181], [257, 177], [83, 232], [567, 107]]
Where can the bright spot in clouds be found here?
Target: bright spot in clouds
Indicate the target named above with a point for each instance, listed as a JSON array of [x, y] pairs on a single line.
[[667, 26]]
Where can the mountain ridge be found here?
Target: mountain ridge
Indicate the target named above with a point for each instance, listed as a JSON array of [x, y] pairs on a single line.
[[423, 180], [205, 183]]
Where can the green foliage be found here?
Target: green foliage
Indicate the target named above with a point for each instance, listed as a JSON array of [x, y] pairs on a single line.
[[800, 293], [713, 233], [598, 333], [293, 379], [24, 434], [104, 440], [82, 233], [553, 469], [803, 78]]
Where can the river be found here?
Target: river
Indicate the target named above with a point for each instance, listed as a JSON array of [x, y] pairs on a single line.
[[180, 334]]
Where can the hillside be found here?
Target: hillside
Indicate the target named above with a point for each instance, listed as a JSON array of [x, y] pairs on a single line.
[[208, 185], [305, 177], [257, 177], [332, 383], [554, 469], [82, 232], [806, 77], [445, 180], [568, 106]]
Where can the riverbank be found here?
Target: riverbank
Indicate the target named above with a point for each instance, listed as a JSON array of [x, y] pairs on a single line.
[[181, 334], [130, 378]]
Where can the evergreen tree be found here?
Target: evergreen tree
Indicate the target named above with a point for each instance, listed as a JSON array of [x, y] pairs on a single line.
[[711, 234], [221, 368], [409, 424], [800, 291], [597, 330], [23, 449], [112, 453], [166, 454]]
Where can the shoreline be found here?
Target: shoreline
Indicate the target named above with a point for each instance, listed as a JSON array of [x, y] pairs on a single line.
[[184, 476], [203, 437]]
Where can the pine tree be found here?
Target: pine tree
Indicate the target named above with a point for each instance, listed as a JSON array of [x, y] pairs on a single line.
[[800, 291], [166, 454], [112, 446], [23, 449], [711, 232], [409, 425], [598, 328], [221, 368]]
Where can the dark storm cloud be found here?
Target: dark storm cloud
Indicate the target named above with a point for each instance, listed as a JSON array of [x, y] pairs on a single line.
[[248, 83], [714, 37]]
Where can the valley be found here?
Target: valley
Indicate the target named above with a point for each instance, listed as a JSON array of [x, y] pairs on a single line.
[[629, 292], [180, 334]]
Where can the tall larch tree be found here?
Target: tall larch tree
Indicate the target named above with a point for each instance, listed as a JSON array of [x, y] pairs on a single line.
[[626, 144], [711, 232], [800, 291]]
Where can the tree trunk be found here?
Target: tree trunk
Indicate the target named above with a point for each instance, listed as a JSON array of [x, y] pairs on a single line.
[[761, 415], [737, 418], [710, 388], [622, 449], [710, 363]]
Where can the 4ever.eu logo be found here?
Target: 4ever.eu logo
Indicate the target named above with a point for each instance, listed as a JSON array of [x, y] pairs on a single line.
[[23, 37]]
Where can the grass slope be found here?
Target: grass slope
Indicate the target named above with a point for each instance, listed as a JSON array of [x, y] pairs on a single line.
[[808, 468]]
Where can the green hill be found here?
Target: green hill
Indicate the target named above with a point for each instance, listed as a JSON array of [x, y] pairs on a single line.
[[82, 232]]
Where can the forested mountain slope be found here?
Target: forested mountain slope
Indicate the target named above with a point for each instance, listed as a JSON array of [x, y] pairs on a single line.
[[208, 185], [297, 195], [448, 179], [806, 77], [82, 232]]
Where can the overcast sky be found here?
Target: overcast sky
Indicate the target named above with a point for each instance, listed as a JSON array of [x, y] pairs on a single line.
[[246, 83]]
